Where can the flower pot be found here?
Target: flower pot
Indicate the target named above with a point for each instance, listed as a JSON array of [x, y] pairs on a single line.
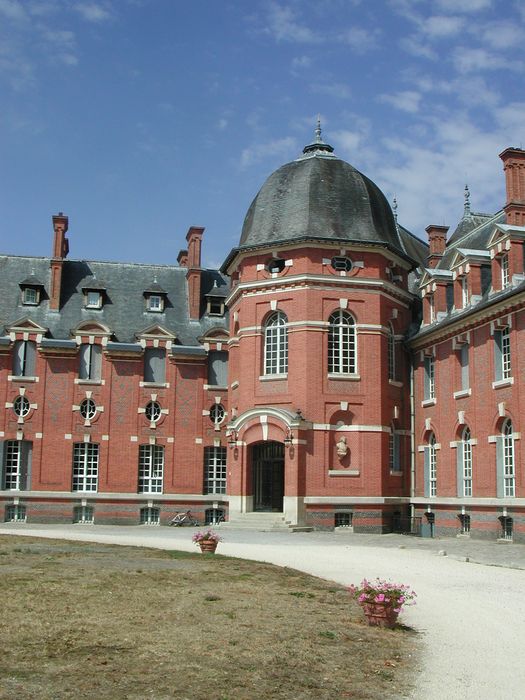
[[208, 545], [380, 614]]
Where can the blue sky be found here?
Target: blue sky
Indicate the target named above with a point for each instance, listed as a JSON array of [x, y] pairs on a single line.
[[139, 118]]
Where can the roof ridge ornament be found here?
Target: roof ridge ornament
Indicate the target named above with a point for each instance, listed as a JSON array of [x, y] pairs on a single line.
[[318, 147], [394, 211], [466, 205]]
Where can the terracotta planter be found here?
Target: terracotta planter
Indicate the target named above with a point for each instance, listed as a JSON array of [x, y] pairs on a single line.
[[380, 614], [208, 545]]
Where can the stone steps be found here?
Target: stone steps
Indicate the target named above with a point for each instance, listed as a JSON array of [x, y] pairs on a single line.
[[264, 522]]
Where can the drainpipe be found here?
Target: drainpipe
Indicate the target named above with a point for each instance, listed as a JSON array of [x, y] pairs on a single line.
[[412, 439]]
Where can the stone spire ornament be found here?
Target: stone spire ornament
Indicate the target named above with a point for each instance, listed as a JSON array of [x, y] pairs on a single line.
[[466, 205]]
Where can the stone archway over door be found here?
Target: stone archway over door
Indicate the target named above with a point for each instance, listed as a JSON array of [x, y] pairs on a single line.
[[268, 476]]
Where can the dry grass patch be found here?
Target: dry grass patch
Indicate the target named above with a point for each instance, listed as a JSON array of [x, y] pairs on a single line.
[[83, 620]]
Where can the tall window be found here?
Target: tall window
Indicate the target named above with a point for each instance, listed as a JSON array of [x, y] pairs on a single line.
[[391, 353], [431, 467], [151, 468], [508, 460], [155, 365], [464, 292], [430, 381], [90, 362], [24, 358], [341, 343], [502, 354], [505, 275], [431, 309], [276, 344], [394, 452], [218, 368], [85, 466], [214, 470], [464, 366], [17, 465], [465, 458]]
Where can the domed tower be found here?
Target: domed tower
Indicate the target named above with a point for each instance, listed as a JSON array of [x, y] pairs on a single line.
[[318, 379]]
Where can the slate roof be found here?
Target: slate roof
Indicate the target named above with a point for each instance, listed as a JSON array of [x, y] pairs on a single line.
[[124, 310], [319, 196]]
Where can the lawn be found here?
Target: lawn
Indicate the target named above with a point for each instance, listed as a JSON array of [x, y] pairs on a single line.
[[83, 620]]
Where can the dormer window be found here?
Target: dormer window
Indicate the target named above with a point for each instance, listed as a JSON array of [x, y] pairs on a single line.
[[93, 299], [155, 297], [31, 291], [275, 265], [155, 303], [215, 306], [505, 275], [30, 296], [464, 292], [431, 309], [340, 263]]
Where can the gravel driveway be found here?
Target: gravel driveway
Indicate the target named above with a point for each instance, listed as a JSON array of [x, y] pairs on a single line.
[[471, 616]]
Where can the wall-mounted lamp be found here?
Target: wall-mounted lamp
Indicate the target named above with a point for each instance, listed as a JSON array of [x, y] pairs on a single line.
[[232, 439], [288, 439]]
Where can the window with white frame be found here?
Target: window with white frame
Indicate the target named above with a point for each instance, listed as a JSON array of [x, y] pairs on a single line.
[[214, 516], [30, 296], [24, 357], [217, 414], [85, 466], [391, 353], [343, 519], [151, 468], [430, 467], [506, 528], [84, 515], [21, 406], [466, 460], [431, 308], [155, 302], [502, 354], [90, 365], [276, 344], [464, 292], [429, 378], [150, 515], [509, 472], [153, 411], [15, 513], [93, 299], [155, 365], [505, 273], [16, 465], [464, 366], [214, 470], [342, 343], [88, 409]]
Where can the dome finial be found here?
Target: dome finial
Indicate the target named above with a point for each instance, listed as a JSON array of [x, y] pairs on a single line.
[[318, 130], [394, 209], [466, 206]]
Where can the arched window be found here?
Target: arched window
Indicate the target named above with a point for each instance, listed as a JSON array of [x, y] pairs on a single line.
[[430, 452], [391, 353], [276, 344], [465, 459], [508, 459], [341, 343]]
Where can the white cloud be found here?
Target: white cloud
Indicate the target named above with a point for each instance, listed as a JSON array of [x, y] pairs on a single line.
[[92, 11], [262, 151], [338, 90], [282, 25], [503, 35], [359, 39], [12, 10], [301, 62], [415, 46], [439, 26], [465, 6], [347, 142], [222, 124], [468, 60], [405, 100]]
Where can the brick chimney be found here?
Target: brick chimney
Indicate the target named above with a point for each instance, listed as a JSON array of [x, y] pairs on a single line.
[[60, 251], [514, 168], [182, 258], [437, 240], [193, 276]]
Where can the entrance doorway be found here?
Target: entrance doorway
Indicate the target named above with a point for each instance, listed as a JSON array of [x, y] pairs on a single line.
[[268, 476]]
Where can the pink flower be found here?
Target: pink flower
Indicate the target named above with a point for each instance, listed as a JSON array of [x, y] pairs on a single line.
[[380, 598]]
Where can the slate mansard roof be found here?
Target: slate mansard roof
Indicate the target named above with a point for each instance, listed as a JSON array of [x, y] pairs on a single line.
[[123, 286], [319, 197]]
